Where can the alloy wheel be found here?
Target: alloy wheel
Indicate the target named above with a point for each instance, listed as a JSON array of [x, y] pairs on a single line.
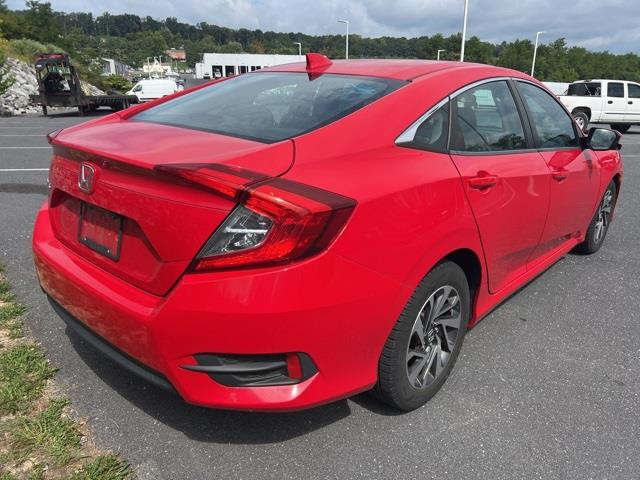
[[604, 216], [433, 336]]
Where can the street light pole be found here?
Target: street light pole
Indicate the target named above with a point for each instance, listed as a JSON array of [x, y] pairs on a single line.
[[441, 50], [464, 29], [535, 52], [299, 48], [346, 45]]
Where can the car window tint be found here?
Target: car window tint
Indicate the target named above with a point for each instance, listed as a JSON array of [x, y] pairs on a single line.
[[433, 133], [270, 107], [634, 90], [615, 90], [553, 125], [485, 119], [584, 89]]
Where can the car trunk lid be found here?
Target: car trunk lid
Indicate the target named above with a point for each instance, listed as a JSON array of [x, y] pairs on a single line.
[[134, 220]]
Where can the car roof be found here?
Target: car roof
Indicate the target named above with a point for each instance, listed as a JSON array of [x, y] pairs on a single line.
[[396, 69], [603, 80]]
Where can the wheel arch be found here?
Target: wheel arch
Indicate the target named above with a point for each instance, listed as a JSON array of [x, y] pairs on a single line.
[[585, 110], [470, 264], [617, 179]]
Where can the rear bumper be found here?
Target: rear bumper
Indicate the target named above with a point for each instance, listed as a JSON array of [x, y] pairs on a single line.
[[337, 312]]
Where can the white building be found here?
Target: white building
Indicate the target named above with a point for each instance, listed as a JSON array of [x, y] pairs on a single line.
[[111, 66], [215, 65]]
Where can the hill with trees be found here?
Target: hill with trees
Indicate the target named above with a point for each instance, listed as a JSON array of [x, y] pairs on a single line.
[[131, 39]]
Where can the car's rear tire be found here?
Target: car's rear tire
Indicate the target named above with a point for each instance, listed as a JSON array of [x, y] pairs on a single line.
[[599, 225], [620, 127], [582, 119], [426, 339]]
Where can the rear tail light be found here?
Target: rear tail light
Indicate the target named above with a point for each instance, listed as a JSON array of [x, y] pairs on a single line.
[[275, 221]]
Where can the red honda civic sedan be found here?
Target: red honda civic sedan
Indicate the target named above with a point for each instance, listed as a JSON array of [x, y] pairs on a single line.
[[302, 233]]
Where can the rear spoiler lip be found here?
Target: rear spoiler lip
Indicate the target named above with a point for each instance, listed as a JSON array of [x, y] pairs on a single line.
[[78, 154]]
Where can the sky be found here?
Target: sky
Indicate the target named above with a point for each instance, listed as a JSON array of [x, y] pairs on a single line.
[[612, 25]]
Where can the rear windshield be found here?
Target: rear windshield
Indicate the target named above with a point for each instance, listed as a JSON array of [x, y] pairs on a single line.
[[270, 107], [590, 89]]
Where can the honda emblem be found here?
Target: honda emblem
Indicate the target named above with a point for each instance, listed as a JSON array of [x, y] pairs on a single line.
[[86, 177]]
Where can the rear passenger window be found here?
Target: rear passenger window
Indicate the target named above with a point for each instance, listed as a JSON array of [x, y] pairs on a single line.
[[485, 119], [615, 90], [433, 133], [552, 124]]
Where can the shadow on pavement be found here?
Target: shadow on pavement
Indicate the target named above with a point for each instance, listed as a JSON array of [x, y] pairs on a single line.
[[204, 424]]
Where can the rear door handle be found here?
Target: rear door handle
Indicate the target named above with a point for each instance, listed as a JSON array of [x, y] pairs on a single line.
[[559, 177], [630, 103], [610, 102], [483, 182]]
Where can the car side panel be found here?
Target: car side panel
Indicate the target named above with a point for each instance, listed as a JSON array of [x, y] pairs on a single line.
[[633, 104], [575, 186], [510, 214], [614, 108]]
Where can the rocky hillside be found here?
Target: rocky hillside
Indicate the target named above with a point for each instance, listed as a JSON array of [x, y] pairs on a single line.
[[15, 101]]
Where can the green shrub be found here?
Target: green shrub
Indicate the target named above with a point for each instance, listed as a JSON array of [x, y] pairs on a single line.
[[26, 49], [117, 83]]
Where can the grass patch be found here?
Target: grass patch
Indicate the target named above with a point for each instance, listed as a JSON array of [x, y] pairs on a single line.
[[50, 436], [24, 372], [10, 314], [38, 441], [104, 467]]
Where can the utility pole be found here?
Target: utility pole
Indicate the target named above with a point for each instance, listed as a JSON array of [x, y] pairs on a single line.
[[346, 47], [464, 29], [535, 52]]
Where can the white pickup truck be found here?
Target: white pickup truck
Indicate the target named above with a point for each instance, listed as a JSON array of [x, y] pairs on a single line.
[[615, 102]]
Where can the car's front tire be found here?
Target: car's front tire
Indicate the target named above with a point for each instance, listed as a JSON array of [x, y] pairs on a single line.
[[582, 119], [620, 127], [426, 339], [599, 225]]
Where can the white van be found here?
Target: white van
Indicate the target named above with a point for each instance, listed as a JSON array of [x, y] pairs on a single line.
[[147, 90]]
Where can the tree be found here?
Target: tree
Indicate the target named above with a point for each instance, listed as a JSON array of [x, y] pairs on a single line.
[[131, 39], [44, 24]]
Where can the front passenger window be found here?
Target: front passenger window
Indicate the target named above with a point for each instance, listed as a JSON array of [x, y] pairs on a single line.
[[486, 119], [615, 90], [552, 124], [634, 90]]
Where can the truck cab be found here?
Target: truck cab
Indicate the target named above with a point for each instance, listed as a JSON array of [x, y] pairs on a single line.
[[616, 102]]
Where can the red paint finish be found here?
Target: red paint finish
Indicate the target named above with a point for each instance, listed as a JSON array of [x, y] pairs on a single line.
[[574, 192], [519, 183], [405, 209]]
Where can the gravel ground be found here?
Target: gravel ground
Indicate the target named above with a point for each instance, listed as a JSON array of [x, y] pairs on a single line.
[[546, 387]]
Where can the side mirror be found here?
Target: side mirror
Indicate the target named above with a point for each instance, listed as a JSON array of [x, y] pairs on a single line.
[[602, 139]]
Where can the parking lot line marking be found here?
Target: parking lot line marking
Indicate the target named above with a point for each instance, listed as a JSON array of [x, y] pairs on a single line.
[[3, 170], [19, 148]]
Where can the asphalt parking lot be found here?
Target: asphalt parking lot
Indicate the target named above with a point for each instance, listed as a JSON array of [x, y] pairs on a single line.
[[547, 386]]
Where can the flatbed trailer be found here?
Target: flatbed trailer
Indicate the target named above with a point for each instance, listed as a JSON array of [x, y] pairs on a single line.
[[60, 86]]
